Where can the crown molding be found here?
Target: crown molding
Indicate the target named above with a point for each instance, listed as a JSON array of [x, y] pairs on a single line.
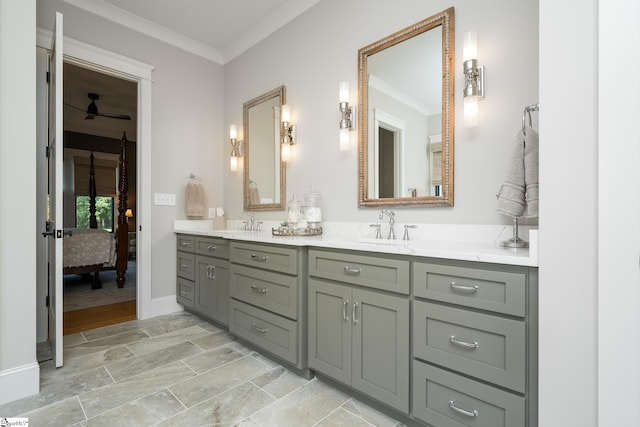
[[267, 26], [148, 28]]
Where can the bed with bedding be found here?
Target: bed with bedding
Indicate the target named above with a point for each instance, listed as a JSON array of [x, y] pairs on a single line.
[[92, 250]]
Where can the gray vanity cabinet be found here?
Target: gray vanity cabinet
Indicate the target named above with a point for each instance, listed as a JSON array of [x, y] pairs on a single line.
[[474, 344], [268, 300], [203, 276], [358, 335]]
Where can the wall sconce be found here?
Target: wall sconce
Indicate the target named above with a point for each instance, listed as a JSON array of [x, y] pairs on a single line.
[[288, 133], [235, 148], [348, 116], [474, 79]]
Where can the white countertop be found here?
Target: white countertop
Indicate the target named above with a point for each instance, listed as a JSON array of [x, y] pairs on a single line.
[[448, 241]]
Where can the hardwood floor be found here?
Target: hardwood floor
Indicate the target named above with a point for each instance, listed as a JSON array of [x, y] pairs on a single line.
[[96, 317]]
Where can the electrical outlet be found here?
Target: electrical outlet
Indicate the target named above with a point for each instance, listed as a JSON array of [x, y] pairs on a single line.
[[164, 199]]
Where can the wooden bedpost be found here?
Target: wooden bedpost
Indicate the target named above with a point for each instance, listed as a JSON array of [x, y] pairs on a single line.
[[93, 222], [123, 228]]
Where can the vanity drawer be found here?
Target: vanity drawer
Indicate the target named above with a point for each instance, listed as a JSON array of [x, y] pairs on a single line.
[[271, 291], [186, 243], [501, 291], [365, 270], [487, 347], [211, 246], [267, 330], [268, 257], [185, 293], [444, 399], [186, 265]]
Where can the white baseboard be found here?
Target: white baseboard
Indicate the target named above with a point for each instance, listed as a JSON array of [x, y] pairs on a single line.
[[165, 305], [19, 382]]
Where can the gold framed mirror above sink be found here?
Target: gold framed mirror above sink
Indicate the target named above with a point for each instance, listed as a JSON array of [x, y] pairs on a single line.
[[264, 171], [406, 117]]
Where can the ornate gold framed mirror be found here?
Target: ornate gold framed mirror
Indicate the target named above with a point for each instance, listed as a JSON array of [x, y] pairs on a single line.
[[406, 116], [264, 171]]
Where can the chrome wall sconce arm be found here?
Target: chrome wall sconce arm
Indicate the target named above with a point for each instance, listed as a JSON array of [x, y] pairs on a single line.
[[236, 148], [289, 133], [474, 88], [347, 116]]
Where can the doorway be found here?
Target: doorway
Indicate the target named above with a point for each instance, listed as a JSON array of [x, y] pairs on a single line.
[[94, 299]]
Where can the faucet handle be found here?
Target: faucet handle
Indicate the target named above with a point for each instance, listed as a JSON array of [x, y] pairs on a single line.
[[378, 232], [406, 231]]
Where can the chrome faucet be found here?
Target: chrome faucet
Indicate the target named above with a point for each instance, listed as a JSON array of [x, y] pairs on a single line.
[[378, 233], [249, 225], [392, 220], [406, 231]]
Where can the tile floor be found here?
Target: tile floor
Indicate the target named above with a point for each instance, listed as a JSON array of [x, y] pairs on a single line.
[[179, 370]]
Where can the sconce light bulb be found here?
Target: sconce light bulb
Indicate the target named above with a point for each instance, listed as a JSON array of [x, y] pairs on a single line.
[[233, 164], [344, 139], [233, 132], [344, 91], [286, 152], [470, 111], [286, 113], [469, 46]]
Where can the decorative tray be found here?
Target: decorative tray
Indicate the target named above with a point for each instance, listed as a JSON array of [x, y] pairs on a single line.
[[286, 231]]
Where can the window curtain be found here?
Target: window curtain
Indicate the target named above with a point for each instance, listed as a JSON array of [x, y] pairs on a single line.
[[105, 174]]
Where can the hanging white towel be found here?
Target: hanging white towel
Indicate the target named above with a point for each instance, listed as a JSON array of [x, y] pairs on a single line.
[[194, 200], [518, 195]]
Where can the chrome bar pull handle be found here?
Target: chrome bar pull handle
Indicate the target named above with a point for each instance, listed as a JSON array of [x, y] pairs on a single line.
[[472, 414], [345, 317], [184, 265], [211, 248], [185, 243], [464, 344], [463, 288], [212, 271], [258, 329], [351, 270], [259, 258], [354, 310], [258, 289]]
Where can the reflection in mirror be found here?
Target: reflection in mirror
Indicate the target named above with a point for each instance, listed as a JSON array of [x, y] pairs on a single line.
[[406, 86], [264, 172]]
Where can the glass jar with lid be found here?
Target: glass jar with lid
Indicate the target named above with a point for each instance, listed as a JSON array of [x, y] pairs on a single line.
[[313, 212], [294, 212]]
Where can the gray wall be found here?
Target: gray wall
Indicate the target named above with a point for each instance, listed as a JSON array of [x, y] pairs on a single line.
[[187, 131], [316, 51]]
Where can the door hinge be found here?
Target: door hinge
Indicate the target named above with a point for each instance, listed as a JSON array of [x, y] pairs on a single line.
[[47, 301], [47, 151], [48, 76]]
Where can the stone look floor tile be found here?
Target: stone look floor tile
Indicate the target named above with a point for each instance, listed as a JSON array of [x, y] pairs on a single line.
[[102, 344], [213, 375], [228, 408], [212, 359], [48, 369], [304, 407], [167, 340], [216, 381], [369, 414], [342, 418], [146, 411], [61, 413], [213, 340], [279, 382], [148, 361], [113, 395]]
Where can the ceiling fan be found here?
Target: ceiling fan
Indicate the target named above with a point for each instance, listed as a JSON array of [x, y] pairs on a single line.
[[92, 110]]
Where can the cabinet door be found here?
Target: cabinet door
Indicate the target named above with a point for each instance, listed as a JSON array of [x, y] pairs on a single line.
[[212, 288], [330, 329], [381, 347]]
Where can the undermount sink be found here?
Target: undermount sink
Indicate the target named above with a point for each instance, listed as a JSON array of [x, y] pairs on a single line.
[[374, 241]]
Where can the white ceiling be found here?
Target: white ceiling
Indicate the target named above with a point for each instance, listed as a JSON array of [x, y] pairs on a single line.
[[218, 30]]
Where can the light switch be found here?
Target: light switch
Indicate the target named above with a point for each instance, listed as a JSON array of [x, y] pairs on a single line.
[[164, 199]]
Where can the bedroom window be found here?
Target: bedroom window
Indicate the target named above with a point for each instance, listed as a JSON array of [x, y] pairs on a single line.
[[104, 212]]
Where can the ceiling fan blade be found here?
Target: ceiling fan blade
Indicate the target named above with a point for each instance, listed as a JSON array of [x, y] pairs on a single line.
[[115, 116]]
